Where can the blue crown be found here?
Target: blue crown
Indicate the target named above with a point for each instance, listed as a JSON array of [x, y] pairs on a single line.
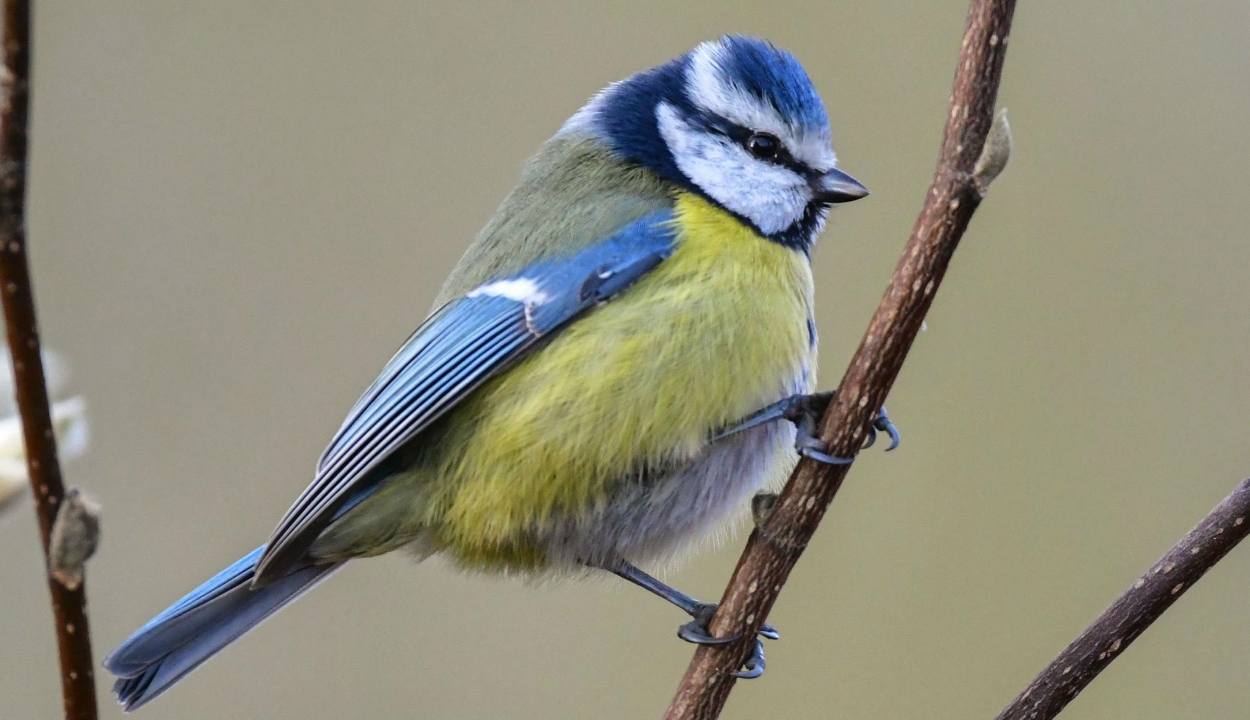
[[772, 75]]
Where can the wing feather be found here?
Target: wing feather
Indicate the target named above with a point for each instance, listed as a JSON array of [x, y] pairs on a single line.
[[463, 344]]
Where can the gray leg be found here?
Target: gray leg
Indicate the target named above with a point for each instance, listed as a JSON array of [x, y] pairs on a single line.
[[695, 631]]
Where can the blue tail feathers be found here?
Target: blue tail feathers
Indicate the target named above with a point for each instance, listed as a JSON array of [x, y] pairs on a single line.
[[195, 628]]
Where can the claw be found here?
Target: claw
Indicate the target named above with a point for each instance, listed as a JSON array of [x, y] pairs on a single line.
[[822, 457], [810, 446], [754, 665], [696, 631], [885, 425], [693, 632]]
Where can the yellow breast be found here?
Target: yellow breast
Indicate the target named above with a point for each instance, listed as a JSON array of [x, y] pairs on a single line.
[[715, 332]]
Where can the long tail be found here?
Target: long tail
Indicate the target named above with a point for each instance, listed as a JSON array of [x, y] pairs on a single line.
[[191, 631]]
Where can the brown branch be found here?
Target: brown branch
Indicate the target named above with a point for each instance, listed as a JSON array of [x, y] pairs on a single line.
[[69, 607], [779, 540], [1139, 606]]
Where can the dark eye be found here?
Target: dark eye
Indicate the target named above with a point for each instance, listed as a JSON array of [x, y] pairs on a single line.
[[764, 146]]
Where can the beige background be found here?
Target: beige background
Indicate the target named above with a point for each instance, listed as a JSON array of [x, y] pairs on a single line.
[[239, 209]]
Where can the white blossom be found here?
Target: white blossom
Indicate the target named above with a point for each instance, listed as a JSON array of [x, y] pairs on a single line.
[[69, 421]]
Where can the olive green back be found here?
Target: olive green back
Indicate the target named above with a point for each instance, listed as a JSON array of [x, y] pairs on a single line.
[[571, 194]]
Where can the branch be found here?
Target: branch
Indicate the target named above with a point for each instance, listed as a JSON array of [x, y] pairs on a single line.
[[960, 182], [69, 607], [1139, 606]]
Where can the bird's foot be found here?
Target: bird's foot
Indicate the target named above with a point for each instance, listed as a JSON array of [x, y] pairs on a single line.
[[696, 631], [805, 412]]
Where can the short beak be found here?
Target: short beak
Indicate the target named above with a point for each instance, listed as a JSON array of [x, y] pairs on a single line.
[[836, 186]]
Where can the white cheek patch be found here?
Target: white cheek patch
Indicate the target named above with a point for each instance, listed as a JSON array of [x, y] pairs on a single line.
[[772, 197], [522, 290], [710, 90]]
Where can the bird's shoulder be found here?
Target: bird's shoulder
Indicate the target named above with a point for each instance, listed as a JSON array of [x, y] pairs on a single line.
[[574, 192]]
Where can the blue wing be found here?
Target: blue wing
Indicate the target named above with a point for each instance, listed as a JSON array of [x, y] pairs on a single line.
[[459, 347]]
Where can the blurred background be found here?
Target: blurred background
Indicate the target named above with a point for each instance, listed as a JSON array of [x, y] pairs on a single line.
[[239, 210]]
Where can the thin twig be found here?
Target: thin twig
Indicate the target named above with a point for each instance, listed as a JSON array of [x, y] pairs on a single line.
[[779, 540], [69, 607], [1139, 606]]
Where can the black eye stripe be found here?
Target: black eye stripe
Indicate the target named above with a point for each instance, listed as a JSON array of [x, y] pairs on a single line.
[[783, 157], [739, 134]]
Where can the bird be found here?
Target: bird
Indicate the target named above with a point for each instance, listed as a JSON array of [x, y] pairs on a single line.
[[624, 355]]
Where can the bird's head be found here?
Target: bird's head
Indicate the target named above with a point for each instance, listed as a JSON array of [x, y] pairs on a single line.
[[737, 121]]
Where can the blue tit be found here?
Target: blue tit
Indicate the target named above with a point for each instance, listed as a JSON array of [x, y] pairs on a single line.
[[606, 373]]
